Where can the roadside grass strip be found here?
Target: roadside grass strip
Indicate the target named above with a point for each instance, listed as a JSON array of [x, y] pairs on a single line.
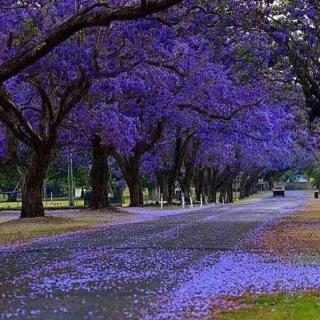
[[304, 306], [297, 233], [25, 230]]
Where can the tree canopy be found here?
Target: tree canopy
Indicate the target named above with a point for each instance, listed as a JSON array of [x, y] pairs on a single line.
[[172, 91]]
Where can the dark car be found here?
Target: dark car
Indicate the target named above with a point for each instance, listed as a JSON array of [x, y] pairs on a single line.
[[278, 191]]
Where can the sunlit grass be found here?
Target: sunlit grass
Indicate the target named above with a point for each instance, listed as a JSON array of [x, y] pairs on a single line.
[[23, 230], [251, 198], [305, 306], [297, 233], [46, 203], [309, 214]]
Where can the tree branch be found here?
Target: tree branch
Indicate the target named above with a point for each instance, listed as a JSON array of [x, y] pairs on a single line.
[[85, 19], [8, 109], [211, 116]]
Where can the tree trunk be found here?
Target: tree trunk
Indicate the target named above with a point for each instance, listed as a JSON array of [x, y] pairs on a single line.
[[133, 182], [162, 180], [248, 187], [186, 182], [99, 174], [213, 188], [171, 189], [230, 192], [141, 200], [32, 189], [243, 182], [222, 194], [199, 182]]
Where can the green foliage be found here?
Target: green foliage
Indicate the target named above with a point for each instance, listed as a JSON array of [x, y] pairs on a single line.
[[57, 178], [8, 177], [313, 173], [145, 183], [81, 178], [31, 29], [288, 174]]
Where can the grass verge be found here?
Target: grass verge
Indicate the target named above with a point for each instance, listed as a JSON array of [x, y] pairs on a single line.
[[304, 306], [297, 233], [24, 230], [252, 198], [46, 203]]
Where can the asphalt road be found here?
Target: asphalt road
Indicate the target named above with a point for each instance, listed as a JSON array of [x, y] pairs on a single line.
[[126, 271]]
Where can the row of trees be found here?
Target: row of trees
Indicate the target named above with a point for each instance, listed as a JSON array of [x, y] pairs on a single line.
[[172, 91]]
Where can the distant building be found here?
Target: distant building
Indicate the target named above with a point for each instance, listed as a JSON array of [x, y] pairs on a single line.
[[298, 178], [298, 182]]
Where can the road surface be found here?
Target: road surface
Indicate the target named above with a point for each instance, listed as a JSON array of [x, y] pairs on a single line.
[[129, 271]]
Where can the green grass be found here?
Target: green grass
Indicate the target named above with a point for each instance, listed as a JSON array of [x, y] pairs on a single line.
[[252, 198], [46, 203], [304, 306], [24, 230], [3, 197], [126, 200]]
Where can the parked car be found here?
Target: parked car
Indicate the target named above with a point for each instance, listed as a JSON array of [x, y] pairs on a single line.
[[278, 191]]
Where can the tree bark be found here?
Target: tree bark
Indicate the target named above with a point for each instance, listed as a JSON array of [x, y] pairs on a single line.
[[130, 166], [186, 184], [162, 179], [11, 153], [213, 188], [32, 189], [243, 182], [133, 181], [99, 174], [230, 192], [222, 194], [181, 147], [199, 182], [171, 189], [141, 200]]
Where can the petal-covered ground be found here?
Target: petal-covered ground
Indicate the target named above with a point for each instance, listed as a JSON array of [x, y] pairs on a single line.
[[172, 266]]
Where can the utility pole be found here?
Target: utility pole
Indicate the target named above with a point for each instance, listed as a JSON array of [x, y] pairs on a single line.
[[70, 181]]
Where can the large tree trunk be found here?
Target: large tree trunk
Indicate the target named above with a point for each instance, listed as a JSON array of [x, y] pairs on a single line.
[[99, 174], [213, 187], [181, 147], [162, 180], [253, 182], [222, 194], [187, 181], [230, 192], [133, 182], [141, 200], [243, 182], [199, 182], [32, 189], [207, 183]]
